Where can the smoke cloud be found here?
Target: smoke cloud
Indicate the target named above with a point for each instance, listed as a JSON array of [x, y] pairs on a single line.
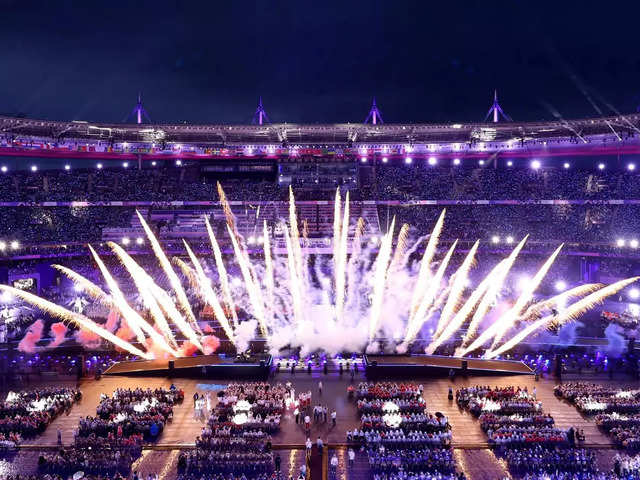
[[32, 337]]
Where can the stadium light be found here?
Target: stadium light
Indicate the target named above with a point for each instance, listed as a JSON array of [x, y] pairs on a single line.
[[34, 168], [561, 285], [566, 165], [509, 239], [634, 293], [523, 281], [125, 240], [481, 162], [67, 167], [3, 246], [179, 163], [408, 160], [385, 159], [251, 240], [363, 159], [4, 169], [620, 242], [633, 243], [601, 166], [139, 240], [125, 164], [432, 160], [495, 239], [99, 166], [509, 163], [456, 161], [535, 164], [15, 245], [631, 167], [153, 164]]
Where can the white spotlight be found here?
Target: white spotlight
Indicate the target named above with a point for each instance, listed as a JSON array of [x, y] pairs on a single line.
[[509, 163], [125, 164], [561, 286], [178, 162], [99, 166], [139, 240], [535, 164], [15, 245], [509, 239], [601, 166], [67, 167], [566, 165], [125, 240], [153, 164], [523, 282], [251, 240], [633, 243], [3, 246], [631, 167], [34, 168], [408, 160], [363, 159], [385, 159], [495, 239], [620, 242], [481, 162], [456, 161], [432, 160], [634, 293], [4, 169]]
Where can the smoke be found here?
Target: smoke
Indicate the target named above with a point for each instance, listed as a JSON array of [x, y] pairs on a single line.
[[87, 338], [112, 320], [616, 343], [210, 343], [58, 330], [32, 337], [245, 332]]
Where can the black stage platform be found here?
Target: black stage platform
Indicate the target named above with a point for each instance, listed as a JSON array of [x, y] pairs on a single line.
[[394, 366], [204, 366]]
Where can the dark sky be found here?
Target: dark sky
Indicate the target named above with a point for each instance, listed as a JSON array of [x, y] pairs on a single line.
[[317, 61]]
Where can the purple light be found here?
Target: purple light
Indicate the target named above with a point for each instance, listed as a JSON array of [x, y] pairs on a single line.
[[408, 160], [432, 160]]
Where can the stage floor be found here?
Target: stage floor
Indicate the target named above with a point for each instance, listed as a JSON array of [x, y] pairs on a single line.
[[409, 364]]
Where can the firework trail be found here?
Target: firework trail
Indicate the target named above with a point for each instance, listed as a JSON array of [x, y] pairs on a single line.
[[268, 269], [188, 272], [294, 281], [93, 290], [532, 312], [445, 329], [401, 247], [571, 313], [229, 216], [342, 261], [295, 237], [143, 284], [183, 301], [356, 248], [76, 318], [222, 271], [414, 326], [255, 297], [379, 279], [503, 323], [485, 304], [425, 266], [133, 319], [336, 230], [208, 293]]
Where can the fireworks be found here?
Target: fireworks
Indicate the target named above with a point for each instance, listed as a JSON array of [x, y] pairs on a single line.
[[345, 303]]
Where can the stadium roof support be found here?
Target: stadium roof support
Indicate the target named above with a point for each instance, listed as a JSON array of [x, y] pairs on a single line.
[[496, 110], [139, 112], [374, 114], [261, 115]]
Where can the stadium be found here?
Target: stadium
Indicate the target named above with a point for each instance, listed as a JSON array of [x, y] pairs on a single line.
[[420, 257]]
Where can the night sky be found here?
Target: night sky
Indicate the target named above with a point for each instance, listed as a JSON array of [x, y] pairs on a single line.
[[317, 61]]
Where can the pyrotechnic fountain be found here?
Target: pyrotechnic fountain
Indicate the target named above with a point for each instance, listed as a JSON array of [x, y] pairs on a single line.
[[347, 302]]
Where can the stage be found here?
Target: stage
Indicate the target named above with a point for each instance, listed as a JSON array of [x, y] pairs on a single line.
[[414, 366], [203, 366]]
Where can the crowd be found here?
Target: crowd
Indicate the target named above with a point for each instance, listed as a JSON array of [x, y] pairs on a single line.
[[27, 414], [112, 440], [402, 439], [527, 438], [237, 438], [616, 408]]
